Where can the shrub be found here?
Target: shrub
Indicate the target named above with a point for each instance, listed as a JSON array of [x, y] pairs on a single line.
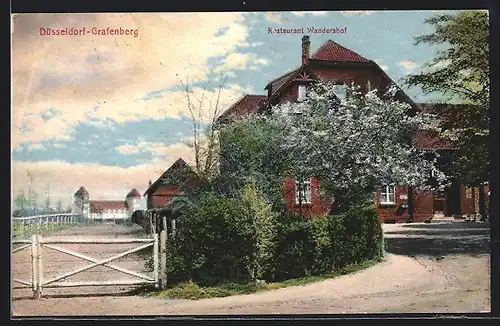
[[294, 248], [222, 239], [325, 243], [264, 226], [214, 240]]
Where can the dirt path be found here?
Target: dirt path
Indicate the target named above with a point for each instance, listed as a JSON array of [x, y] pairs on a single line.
[[449, 272]]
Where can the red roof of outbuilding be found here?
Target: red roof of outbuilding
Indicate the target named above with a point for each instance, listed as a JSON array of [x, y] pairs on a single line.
[[108, 204], [247, 104], [82, 192], [332, 51], [133, 193]]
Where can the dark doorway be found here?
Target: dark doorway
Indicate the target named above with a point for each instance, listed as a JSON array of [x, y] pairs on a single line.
[[453, 200]]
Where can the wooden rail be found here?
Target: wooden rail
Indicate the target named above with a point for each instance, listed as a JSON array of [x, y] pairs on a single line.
[[37, 243], [27, 225]]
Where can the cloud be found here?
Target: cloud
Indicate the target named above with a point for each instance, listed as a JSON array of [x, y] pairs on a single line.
[[156, 148], [102, 181], [75, 74], [408, 66], [275, 17], [357, 12], [314, 13], [241, 61], [32, 147]]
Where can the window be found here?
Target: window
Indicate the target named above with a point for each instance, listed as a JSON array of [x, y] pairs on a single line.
[[341, 92], [468, 193], [388, 194], [368, 86], [301, 93], [303, 192]]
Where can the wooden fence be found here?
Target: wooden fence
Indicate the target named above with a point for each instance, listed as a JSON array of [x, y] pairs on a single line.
[[37, 243], [26, 225]]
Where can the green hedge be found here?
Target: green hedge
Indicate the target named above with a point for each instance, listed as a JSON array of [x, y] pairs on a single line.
[[239, 239]]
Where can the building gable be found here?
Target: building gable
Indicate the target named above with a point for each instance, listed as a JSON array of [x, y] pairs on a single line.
[[179, 173]]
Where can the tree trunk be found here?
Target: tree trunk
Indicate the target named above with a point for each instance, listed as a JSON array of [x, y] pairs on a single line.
[[410, 203], [482, 203]]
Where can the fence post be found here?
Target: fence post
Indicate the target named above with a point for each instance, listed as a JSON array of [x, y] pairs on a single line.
[[155, 259], [151, 224], [22, 228], [172, 222], [39, 282], [164, 222], [163, 258], [34, 267]]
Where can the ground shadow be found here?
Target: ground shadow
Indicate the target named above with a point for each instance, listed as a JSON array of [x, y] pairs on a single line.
[[76, 295], [449, 225], [112, 293], [439, 240]]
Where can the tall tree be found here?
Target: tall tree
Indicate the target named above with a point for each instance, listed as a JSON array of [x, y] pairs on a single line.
[[30, 189], [205, 106], [21, 200], [34, 201], [354, 146], [461, 71], [47, 196], [59, 208]]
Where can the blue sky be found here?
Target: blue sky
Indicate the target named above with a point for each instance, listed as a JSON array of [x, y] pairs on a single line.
[[109, 112]]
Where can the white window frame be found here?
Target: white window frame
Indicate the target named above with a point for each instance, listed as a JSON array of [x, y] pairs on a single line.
[[385, 194], [303, 192], [301, 92]]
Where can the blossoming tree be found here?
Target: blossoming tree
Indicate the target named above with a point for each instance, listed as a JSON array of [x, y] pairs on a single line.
[[354, 145]]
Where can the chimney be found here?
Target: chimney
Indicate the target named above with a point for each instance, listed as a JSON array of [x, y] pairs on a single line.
[[305, 49], [149, 183]]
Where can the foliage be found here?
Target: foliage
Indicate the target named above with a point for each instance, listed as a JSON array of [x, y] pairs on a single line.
[[325, 243], [264, 226], [355, 145], [461, 71], [214, 240], [21, 201], [247, 146]]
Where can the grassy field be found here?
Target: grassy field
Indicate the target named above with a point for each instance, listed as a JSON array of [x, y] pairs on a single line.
[[193, 291], [44, 228]]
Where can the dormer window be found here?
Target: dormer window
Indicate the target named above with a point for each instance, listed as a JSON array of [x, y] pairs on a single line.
[[301, 92]]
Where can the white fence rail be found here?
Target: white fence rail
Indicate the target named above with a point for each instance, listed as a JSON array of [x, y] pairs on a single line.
[[26, 225]]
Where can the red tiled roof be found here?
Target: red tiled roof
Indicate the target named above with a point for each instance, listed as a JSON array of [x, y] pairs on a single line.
[[329, 51], [107, 204], [160, 201], [133, 193], [430, 140], [247, 104], [82, 192], [166, 191], [178, 170], [332, 51], [280, 81]]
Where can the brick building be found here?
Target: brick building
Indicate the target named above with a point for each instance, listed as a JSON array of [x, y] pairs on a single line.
[[333, 62]]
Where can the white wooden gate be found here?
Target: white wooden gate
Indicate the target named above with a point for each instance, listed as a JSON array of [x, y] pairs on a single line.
[[38, 282]]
